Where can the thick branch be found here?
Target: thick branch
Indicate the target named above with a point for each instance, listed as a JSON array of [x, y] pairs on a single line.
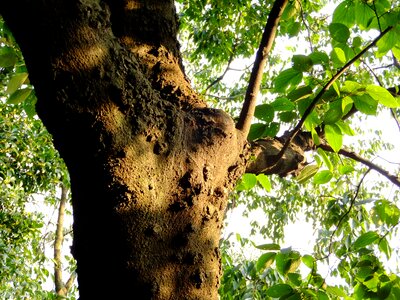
[[261, 58], [310, 108], [58, 242], [392, 178]]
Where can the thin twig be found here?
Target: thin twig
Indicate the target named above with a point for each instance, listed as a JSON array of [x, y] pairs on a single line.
[[310, 108], [392, 178], [353, 200], [218, 79], [264, 49]]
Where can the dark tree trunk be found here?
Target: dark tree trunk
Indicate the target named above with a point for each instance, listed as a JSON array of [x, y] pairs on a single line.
[[150, 165]]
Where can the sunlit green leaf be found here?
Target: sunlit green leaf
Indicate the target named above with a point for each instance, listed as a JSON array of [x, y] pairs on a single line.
[[264, 181], [387, 42], [365, 239], [345, 169], [334, 113], [19, 96], [365, 104], [334, 136], [247, 182], [265, 260], [289, 77], [308, 260], [269, 247], [300, 93], [344, 13], [338, 57], [15, 82], [382, 95], [308, 172], [323, 177], [325, 158]]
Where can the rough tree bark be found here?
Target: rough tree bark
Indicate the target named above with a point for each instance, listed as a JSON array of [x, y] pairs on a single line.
[[150, 165]]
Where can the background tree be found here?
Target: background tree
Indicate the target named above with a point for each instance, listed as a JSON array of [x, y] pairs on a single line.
[[147, 156]]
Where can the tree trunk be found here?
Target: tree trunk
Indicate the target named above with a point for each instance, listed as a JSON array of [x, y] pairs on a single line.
[[150, 165]]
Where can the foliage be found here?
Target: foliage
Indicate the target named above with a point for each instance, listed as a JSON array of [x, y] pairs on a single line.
[[30, 170], [353, 214], [330, 191]]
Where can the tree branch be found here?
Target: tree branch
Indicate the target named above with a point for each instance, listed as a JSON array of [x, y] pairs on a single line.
[[58, 242], [392, 178], [310, 108], [261, 58]]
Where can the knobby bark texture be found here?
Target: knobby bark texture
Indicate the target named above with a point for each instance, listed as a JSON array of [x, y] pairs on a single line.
[[150, 165]]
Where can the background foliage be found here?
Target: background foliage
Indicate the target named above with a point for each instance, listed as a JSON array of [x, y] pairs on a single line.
[[354, 211]]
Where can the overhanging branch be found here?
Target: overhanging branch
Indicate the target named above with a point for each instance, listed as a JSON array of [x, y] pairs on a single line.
[[392, 178], [312, 105], [256, 74]]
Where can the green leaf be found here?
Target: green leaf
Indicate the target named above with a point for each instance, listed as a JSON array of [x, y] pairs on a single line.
[[287, 116], [30, 105], [345, 169], [344, 13], [264, 112], [269, 247], [279, 290], [265, 261], [302, 63], [247, 182], [334, 113], [272, 129], [19, 96], [295, 278], [15, 82], [385, 247], [8, 57], [323, 177], [308, 260], [282, 104], [363, 14], [289, 77], [325, 158], [257, 131], [339, 32], [319, 58], [347, 104], [338, 57], [334, 290], [382, 95], [264, 181], [294, 29], [345, 128], [365, 239], [365, 104], [387, 42], [300, 93], [308, 172], [334, 137], [351, 87]]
